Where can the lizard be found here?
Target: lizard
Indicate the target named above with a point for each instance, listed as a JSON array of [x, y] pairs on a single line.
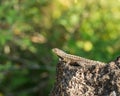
[[73, 58]]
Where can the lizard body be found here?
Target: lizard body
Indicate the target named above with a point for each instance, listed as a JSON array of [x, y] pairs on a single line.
[[71, 58]]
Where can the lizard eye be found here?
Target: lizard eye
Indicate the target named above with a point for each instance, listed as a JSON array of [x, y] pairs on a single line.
[[74, 64]]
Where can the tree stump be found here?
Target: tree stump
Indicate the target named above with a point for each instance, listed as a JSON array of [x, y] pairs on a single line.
[[93, 79]]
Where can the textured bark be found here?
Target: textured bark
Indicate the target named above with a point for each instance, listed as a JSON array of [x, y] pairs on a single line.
[[95, 80]]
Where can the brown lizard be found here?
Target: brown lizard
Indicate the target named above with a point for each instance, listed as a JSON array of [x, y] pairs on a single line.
[[72, 58]]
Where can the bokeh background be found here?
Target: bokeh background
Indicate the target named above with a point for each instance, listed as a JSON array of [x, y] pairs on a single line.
[[29, 29]]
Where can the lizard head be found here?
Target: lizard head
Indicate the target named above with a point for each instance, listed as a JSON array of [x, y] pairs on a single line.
[[58, 52]]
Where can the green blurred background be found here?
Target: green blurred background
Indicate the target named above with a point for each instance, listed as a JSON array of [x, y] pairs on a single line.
[[29, 29]]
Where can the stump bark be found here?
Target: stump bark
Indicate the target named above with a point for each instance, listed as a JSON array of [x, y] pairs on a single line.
[[93, 80]]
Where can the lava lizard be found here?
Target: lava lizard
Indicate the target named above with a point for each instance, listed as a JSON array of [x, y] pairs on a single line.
[[68, 58]]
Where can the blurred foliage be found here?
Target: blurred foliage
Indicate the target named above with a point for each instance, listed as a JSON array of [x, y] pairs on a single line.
[[29, 29]]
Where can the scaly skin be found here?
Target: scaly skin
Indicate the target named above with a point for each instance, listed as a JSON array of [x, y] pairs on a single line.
[[70, 58]]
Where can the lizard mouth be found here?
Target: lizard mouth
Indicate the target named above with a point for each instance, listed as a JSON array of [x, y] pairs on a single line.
[[54, 50]]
